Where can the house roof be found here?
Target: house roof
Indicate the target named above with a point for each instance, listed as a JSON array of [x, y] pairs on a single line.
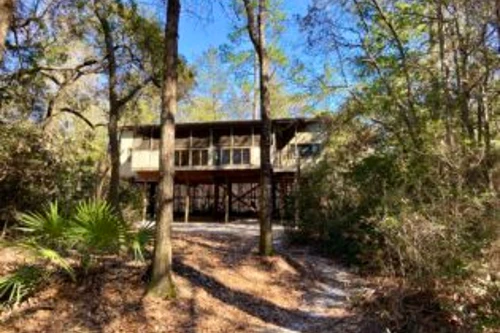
[[227, 123]]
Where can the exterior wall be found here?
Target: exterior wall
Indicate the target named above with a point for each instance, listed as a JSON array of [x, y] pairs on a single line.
[[255, 157], [137, 156], [145, 160], [126, 146], [311, 134]]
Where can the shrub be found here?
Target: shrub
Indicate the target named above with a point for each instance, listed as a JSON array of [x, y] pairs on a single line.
[[92, 231], [46, 228], [140, 239], [36, 168], [95, 228], [426, 216], [20, 284]]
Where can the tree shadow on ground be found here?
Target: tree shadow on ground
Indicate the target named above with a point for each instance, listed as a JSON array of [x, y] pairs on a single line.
[[263, 309], [84, 305], [232, 250]]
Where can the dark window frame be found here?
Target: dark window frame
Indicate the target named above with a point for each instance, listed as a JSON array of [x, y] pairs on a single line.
[[199, 157]]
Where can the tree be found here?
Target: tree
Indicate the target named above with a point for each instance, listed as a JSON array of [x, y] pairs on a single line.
[[133, 52], [244, 60], [256, 26], [216, 96], [162, 283], [412, 149], [117, 103], [6, 11]]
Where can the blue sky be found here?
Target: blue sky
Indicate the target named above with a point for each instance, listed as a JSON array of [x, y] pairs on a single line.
[[203, 26], [206, 23]]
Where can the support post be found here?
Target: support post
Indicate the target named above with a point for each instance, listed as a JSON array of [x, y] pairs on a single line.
[[216, 200], [273, 196], [187, 203], [296, 215], [227, 202], [144, 192], [281, 201]]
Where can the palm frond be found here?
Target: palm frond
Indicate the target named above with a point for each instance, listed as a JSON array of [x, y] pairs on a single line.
[[140, 239], [15, 287], [97, 228], [49, 255], [48, 227]]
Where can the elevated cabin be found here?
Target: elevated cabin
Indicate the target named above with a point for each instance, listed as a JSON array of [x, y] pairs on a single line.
[[218, 163]]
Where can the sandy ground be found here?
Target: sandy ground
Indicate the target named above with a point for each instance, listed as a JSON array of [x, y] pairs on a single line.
[[223, 286]]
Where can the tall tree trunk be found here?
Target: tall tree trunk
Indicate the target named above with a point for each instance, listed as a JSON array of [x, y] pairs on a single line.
[[114, 153], [256, 30], [114, 109], [162, 283], [6, 11], [256, 86], [265, 144], [444, 72], [497, 12]]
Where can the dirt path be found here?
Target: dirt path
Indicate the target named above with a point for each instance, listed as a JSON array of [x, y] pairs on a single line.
[[223, 286], [328, 286]]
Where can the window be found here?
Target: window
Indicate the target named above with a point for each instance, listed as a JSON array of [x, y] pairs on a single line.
[[145, 142], [225, 157], [307, 150], [199, 157], [241, 156], [222, 157], [221, 137], [182, 138], [200, 138], [181, 157], [242, 137], [237, 156], [216, 157], [246, 156]]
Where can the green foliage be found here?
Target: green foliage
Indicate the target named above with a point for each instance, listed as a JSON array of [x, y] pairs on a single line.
[[95, 228], [20, 284], [386, 211], [55, 240], [425, 215], [46, 228], [140, 239], [37, 168], [53, 257]]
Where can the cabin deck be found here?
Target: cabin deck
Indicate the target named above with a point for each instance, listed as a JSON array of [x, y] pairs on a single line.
[[217, 164]]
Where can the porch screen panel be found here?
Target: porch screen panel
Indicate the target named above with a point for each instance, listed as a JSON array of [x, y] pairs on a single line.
[[182, 138], [200, 138], [242, 137], [222, 137]]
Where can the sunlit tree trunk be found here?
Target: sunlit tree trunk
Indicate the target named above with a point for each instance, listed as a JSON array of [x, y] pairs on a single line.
[[497, 14], [162, 283], [6, 11], [256, 30], [114, 110], [256, 87], [117, 100], [444, 72]]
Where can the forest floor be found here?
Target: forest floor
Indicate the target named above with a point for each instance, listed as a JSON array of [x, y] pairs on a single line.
[[223, 286]]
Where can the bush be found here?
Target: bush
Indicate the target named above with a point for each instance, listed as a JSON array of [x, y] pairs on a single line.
[[379, 215], [47, 228], [17, 286], [37, 168], [96, 229], [429, 217], [92, 231]]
